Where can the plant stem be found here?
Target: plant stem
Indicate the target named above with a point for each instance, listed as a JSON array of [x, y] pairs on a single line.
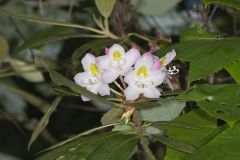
[[119, 86], [123, 83], [139, 36], [149, 154], [116, 92], [115, 99]]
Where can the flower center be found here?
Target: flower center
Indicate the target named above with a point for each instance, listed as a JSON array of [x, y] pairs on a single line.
[[144, 82], [117, 55], [142, 71], [94, 70]]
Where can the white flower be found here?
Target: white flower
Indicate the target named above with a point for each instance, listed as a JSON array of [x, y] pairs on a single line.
[[117, 62], [91, 78], [143, 79], [160, 64]]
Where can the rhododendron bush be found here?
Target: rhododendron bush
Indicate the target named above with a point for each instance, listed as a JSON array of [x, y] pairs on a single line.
[[135, 82]]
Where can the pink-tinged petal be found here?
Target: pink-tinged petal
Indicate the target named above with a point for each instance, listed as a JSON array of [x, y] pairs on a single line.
[[104, 90], [103, 62], [131, 56], [168, 57], [110, 75], [116, 47], [158, 77], [85, 98], [106, 50], [146, 60], [131, 93], [81, 78], [149, 53], [157, 64], [134, 45], [87, 60], [151, 93]]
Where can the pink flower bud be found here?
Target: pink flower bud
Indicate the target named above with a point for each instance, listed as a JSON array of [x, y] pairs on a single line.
[[106, 50], [157, 64], [134, 45]]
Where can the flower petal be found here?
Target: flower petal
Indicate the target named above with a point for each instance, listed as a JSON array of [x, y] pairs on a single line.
[[104, 90], [116, 47], [128, 78], [158, 77], [131, 56], [146, 60], [103, 62], [110, 75], [80, 78], [168, 57], [131, 93], [87, 60], [151, 92], [85, 98]]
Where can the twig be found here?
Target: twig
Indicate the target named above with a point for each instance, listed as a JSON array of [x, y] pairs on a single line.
[[116, 92], [119, 86], [123, 83], [146, 148]]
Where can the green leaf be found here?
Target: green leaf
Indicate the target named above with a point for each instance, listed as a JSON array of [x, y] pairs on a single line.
[[63, 81], [29, 97], [44, 121], [225, 146], [105, 146], [175, 144], [207, 56], [27, 71], [44, 20], [63, 91], [97, 46], [220, 101], [112, 116], [198, 33], [105, 7], [205, 130], [3, 48], [167, 110], [48, 35], [231, 3], [234, 70], [154, 7]]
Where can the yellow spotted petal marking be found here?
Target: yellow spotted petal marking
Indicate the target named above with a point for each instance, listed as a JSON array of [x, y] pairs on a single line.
[[164, 60], [142, 71], [94, 69], [117, 55]]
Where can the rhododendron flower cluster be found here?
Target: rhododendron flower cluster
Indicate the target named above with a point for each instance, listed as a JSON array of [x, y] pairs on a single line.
[[142, 73]]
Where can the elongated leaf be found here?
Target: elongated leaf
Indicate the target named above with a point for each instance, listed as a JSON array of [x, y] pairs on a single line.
[[105, 7], [166, 111], [64, 91], [63, 81], [154, 7], [48, 35], [178, 145], [219, 101], [3, 48], [47, 21], [225, 146], [105, 146], [97, 46], [197, 137], [27, 71], [112, 116], [231, 3], [44, 121], [30, 98], [207, 56], [234, 70], [198, 33]]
